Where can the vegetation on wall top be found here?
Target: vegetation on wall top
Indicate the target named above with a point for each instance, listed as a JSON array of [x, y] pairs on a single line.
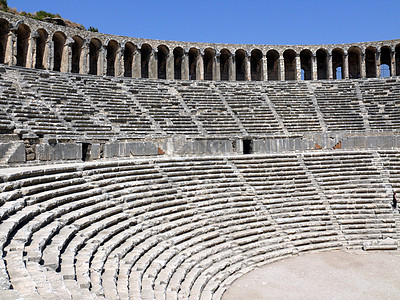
[[45, 16]]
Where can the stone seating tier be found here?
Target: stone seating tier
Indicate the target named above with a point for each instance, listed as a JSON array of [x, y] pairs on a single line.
[[172, 228], [47, 104]]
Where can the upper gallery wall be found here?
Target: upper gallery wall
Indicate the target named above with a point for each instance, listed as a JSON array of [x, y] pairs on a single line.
[[35, 44]]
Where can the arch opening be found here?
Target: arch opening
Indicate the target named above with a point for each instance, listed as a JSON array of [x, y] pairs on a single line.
[[397, 59], [370, 62], [145, 53], [94, 49], [209, 55], [76, 49], [59, 42], [224, 58], [306, 64], [386, 61], [354, 58], [240, 65], [40, 48], [337, 63], [23, 33], [193, 61], [178, 57], [128, 59], [322, 64], [289, 57], [162, 55], [273, 65], [256, 65], [112, 48], [4, 31]]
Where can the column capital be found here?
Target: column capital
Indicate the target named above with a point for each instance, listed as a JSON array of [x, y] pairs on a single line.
[[35, 34], [69, 41], [14, 25]]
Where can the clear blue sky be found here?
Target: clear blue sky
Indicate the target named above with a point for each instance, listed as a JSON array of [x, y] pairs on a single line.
[[249, 22]]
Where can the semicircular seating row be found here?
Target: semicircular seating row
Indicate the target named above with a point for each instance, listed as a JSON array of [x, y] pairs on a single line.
[[72, 106], [184, 228]]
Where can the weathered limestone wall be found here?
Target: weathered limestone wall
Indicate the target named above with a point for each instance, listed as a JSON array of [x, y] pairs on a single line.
[[15, 152], [326, 141]]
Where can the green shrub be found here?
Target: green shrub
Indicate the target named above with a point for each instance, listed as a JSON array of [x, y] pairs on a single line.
[[41, 15], [3, 5], [92, 29]]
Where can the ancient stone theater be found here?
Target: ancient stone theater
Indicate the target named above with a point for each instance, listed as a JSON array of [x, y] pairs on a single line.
[[148, 169]]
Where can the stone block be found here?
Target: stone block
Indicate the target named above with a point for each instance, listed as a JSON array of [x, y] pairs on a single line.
[[62, 151], [129, 149], [95, 152]]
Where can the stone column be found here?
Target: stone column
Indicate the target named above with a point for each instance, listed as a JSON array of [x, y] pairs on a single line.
[[185, 65], [170, 66], [217, 67], [345, 71], [66, 60], [200, 65], [232, 69], [84, 59], [378, 63], [9, 57], [281, 70], [247, 75], [31, 50], [119, 61], [102, 61], [34, 36], [298, 67], [314, 67], [330, 66], [362, 65], [264, 70], [46, 55], [137, 68], [393, 63], [51, 55], [153, 64]]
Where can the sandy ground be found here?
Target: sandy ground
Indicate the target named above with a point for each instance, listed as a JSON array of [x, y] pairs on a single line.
[[325, 275]]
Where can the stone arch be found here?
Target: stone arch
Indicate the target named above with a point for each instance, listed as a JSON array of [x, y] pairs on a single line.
[[354, 58], [162, 55], [240, 64], [59, 39], [224, 59], [322, 64], [256, 65], [289, 57], [337, 63], [128, 59], [94, 50], [273, 65], [193, 62], [41, 39], [306, 64], [23, 35], [112, 48], [386, 61], [4, 31], [178, 57], [145, 53], [209, 55], [370, 62], [76, 49]]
